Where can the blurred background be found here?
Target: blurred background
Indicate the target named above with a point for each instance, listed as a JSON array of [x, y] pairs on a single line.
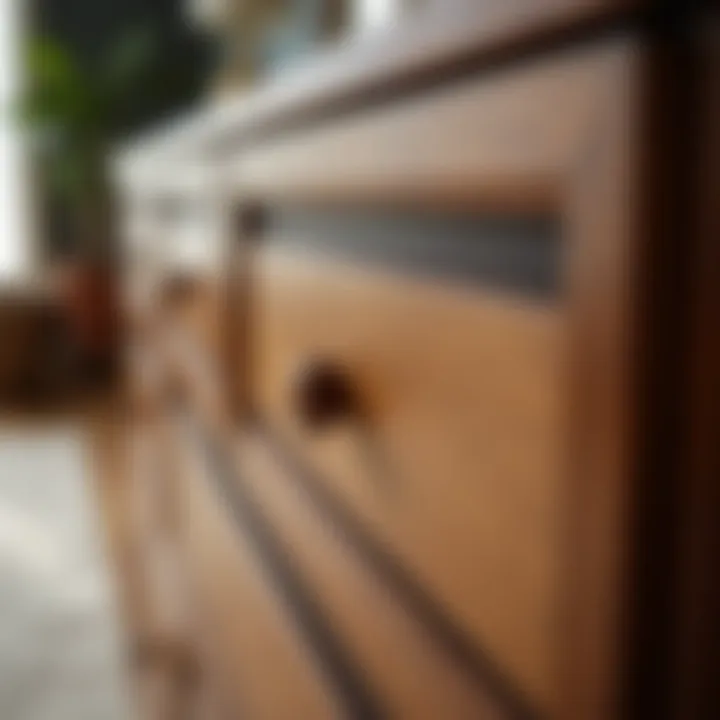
[[79, 79]]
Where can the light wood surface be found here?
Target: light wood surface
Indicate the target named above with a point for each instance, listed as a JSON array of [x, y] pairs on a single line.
[[505, 451], [257, 655], [453, 385], [507, 140], [412, 674], [462, 475]]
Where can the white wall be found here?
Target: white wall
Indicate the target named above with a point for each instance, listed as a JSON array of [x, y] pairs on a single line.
[[15, 213]]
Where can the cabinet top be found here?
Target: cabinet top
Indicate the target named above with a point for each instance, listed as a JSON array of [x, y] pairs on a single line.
[[370, 69]]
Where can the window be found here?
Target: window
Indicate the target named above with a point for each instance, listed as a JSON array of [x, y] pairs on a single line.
[[15, 241]]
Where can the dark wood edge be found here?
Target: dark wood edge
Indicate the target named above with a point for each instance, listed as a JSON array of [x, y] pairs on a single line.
[[628, 303], [394, 573], [346, 680], [698, 628], [668, 134]]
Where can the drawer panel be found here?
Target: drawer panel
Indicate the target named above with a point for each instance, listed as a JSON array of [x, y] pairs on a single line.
[[452, 454], [253, 648], [408, 666]]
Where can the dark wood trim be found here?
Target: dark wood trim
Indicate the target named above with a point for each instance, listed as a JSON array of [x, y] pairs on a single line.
[[669, 177], [698, 630]]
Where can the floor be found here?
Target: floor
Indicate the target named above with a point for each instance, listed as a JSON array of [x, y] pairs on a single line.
[[82, 591], [62, 651]]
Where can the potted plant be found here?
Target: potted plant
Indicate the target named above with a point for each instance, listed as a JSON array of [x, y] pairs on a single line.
[[72, 112]]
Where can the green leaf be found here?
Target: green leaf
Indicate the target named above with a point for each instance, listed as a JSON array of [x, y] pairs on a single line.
[[58, 92]]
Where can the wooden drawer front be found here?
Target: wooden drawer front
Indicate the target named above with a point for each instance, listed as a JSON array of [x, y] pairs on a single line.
[[457, 463], [408, 667], [252, 645], [498, 452]]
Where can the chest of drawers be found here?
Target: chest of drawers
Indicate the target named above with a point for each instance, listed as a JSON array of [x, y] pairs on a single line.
[[422, 374]]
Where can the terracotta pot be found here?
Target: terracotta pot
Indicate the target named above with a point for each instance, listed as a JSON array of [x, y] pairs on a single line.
[[89, 294]]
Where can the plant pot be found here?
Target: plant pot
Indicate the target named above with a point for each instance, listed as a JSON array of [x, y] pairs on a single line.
[[89, 296]]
